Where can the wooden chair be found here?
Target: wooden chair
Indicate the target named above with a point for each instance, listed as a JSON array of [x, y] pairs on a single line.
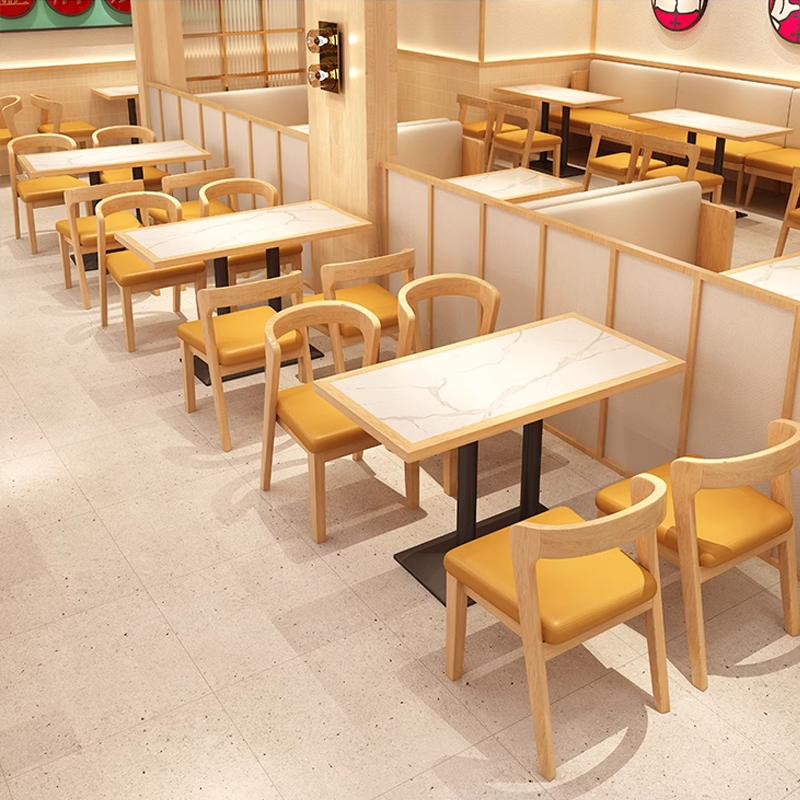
[[10, 106], [523, 142], [323, 431], [483, 129], [80, 233], [445, 285], [128, 271], [710, 182], [51, 120], [291, 255], [791, 217], [620, 167], [37, 192], [369, 294], [708, 532], [231, 343], [126, 134], [190, 209], [558, 581]]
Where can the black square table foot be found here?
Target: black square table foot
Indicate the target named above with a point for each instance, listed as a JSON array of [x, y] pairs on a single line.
[[546, 166]]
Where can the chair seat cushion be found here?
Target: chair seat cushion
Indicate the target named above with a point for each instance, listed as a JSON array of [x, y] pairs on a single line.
[[575, 594], [583, 118], [782, 161], [240, 335], [729, 521], [191, 210], [382, 303], [35, 190], [259, 260], [708, 180], [5, 136], [79, 128], [616, 164], [151, 175], [517, 138], [477, 130], [317, 425], [87, 228], [128, 269]]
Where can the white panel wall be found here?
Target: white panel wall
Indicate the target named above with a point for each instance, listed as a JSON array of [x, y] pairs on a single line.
[[192, 130], [238, 135], [443, 27], [171, 116], [512, 265], [294, 167], [265, 161], [214, 131], [643, 424], [155, 112]]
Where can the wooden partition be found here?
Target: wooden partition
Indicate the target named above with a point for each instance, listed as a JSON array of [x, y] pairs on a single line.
[[741, 344]]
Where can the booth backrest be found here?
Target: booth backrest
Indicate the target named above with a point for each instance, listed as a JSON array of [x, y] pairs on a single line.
[[642, 88], [411, 122], [578, 197], [286, 105], [664, 219], [434, 149], [730, 97]]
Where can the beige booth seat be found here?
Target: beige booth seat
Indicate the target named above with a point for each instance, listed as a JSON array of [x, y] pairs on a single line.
[[434, 148]]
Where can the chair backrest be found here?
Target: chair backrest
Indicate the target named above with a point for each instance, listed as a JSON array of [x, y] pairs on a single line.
[[631, 139], [10, 106], [531, 541], [670, 147], [88, 194], [50, 111], [232, 188], [257, 292], [332, 275], [468, 101], [122, 134], [36, 142], [187, 180], [501, 110], [794, 193], [446, 285]]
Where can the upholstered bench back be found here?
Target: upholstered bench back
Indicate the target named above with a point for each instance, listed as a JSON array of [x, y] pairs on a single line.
[[286, 105], [664, 219], [579, 197], [642, 88], [433, 148]]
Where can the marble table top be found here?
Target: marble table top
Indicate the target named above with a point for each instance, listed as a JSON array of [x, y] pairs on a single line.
[[94, 159], [440, 399], [116, 92], [516, 185], [243, 232], [780, 277], [562, 95], [740, 130]]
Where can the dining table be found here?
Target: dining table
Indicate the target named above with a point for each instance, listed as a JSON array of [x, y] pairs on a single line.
[[455, 396], [128, 93], [565, 97], [516, 185]]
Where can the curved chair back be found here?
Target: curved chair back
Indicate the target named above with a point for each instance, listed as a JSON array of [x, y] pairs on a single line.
[[670, 147], [122, 134], [10, 106], [186, 180], [34, 142], [232, 188], [51, 110], [446, 285]]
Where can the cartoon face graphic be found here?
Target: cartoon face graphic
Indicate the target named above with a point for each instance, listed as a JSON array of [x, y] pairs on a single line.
[[679, 15], [785, 17]]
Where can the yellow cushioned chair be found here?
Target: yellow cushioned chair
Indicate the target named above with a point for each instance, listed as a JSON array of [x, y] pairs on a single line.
[[37, 192], [10, 106], [557, 581], [483, 129], [791, 217], [710, 182], [620, 167], [324, 432], [523, 142], [80, 233], [51, 120], [128, 134], [190, 209], [130, 272], [370, 293], [234, 342], [707, 532], [777, 165]]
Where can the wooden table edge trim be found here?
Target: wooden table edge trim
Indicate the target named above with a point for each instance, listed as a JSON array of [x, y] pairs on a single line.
[[777, 131], [609, 99]]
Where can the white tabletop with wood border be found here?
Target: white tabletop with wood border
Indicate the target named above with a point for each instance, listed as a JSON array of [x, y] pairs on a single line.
[[116, 92], [516, 185], [780, 276], [740, 130], [561, 95]]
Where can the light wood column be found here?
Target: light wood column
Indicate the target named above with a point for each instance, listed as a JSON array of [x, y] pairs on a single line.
[[158, 43], [352, 132]]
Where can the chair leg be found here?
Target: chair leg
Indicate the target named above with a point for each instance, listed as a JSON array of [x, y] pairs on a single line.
[[751, 187], [31, 229], [716, 195], [200, 283], [102, 278], [782, 236], [540, 707], [359, 456], [787, 561], [557, 161], [127, 318], [17, 229], [412, 484], [267, 448], [739, 186], [657, 654], [695, 627], [587, 177], [63, 248], [219, 406], [82, 278], [450, 478], [316, 489], [187, 368], [456, 628], [176, 298]]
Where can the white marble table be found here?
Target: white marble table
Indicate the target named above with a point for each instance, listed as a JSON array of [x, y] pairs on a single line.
[[565, 97], [740, 130], [780, 276], [455, 396], [93, 160], [129, 93], [516, 185]]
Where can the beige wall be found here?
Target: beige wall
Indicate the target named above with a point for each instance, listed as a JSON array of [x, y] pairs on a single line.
[[733, 35], [440, 27]]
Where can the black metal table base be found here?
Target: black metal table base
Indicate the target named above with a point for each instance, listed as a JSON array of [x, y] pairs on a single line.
[[202, 374], [424, 561]]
